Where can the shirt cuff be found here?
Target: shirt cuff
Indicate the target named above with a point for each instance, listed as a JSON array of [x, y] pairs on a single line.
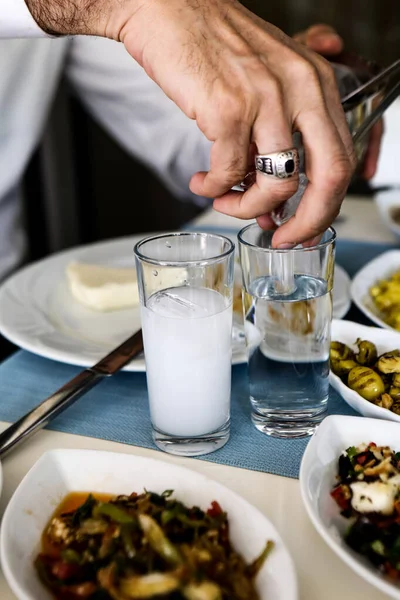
[[17, 22]]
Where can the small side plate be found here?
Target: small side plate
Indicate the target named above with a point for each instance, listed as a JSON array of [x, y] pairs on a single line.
[[317, 477], [59, 472], [348, 332], [377, 269]]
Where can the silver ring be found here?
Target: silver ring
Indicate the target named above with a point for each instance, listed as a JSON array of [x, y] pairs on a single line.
[[278, 164]]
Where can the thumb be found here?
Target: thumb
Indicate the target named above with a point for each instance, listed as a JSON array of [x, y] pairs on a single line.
[[322, 39]]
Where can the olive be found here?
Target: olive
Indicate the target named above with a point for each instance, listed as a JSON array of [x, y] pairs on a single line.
[[396, 380], [342, 367], [389, 362], [387, 380], [366, 382], [394, 352], [395, 393], [340, 351], [367, 353]]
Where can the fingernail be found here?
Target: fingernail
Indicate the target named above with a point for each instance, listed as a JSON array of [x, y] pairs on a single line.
[[315, 240], [327, 37], [286, 246]]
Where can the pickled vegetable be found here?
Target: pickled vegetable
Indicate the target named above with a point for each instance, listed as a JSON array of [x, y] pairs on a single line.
[[375, 377], [339, 351], [385, 401], [394, 392], [385, 295], [142, 547], [367, 353], [366, 382], [343, 367], [389, 363]]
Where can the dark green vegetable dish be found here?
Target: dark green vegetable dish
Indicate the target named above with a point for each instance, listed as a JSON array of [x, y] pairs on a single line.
[[368, 494], [375, 378], [143, 546]]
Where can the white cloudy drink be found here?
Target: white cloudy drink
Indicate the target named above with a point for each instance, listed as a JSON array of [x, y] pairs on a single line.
[[188, 350]]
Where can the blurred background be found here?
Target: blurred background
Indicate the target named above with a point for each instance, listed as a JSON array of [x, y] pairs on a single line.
[[81, 186], [107, 193]]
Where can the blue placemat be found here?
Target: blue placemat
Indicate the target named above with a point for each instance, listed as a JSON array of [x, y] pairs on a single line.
[[117, 409]]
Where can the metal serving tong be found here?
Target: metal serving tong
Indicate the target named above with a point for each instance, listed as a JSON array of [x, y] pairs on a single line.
[[367, 90], [384, 88]]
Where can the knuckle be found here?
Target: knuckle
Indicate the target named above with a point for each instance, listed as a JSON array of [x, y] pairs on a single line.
[[326, 71], [353, 160], [226, 108], [233, 106], [338, 177], [307, 72]]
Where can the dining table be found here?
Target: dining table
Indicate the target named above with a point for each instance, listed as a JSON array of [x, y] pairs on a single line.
[[321, 573]]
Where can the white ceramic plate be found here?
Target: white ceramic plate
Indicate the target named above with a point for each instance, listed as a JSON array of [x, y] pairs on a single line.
[[348, 332], [38, 313], [386, 202], [380, 267], [317, 477], [59, 472]]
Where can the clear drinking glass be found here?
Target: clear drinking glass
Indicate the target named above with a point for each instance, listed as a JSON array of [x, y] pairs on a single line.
[[186, 287], [287, 307]]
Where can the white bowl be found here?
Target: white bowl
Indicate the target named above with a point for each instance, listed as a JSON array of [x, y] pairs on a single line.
[[59, 472], [348, 332], [379, 268], [317, 477], [386, 202]]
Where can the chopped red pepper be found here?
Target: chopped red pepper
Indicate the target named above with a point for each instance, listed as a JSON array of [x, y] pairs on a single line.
[[372, 445], [391, 571], [215, 510], [362, 457], [341, 496], [63, 570]]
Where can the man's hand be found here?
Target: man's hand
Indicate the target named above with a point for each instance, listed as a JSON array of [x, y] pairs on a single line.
[[244, 82], [326, 41]]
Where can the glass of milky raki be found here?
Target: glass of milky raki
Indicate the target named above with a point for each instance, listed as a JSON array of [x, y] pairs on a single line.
[[287, 307], [186, 287]]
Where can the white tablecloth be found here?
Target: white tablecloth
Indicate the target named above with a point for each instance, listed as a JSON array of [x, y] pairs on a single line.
[[321, 575]]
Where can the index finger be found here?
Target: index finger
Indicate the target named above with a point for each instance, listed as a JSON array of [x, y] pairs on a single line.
[[228, 163]]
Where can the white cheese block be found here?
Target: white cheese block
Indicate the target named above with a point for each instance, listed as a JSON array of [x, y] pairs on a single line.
[[103, 288], [376, 496]]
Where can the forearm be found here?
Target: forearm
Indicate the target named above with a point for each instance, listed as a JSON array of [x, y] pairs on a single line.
[[59, 17], [82, 17]]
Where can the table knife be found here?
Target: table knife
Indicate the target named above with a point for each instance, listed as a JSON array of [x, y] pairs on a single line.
[[51, 407]]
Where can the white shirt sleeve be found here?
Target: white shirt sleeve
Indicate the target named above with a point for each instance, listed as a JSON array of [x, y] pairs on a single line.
[[136, 112], [17, 22]]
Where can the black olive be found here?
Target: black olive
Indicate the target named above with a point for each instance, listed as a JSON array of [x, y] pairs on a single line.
[[362, 533], [345, 468]]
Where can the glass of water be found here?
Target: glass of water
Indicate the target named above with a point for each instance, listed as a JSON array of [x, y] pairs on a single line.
[[287, 305], [186, 288]]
